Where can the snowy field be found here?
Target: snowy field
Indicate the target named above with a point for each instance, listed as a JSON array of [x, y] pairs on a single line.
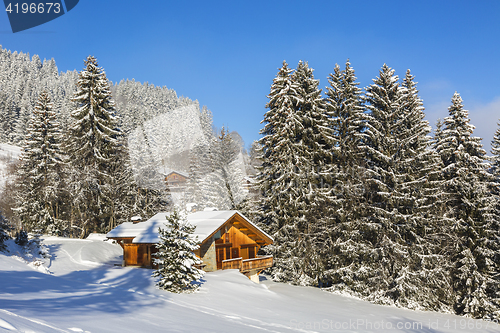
[[80, 289]]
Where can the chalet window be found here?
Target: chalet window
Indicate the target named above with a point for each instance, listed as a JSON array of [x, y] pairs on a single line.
[[251, 252], [228, 252], [226, 238], [235, 253]]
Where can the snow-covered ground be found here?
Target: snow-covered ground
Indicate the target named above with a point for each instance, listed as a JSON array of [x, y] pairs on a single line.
[[86, 291], [8, 153]]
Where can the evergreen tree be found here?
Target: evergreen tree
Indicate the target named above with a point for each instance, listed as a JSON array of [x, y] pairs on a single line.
[[471, 215], [345, 108], [277, 177], [200, 187], [175, 257], [424, 280], [295, 168], [4, 227], [93, 144], [226, 177], [397, 262], [152, 193], [39, 173]]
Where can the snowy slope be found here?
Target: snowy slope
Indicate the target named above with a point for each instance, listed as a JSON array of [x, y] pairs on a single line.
[[168, 134], [86, 292], [8, 154]]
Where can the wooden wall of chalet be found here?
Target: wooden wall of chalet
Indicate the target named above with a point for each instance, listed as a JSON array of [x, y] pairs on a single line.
[[138, 254], [234, 244]]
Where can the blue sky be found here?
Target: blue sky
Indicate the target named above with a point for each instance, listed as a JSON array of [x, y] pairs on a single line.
[[226, 54]]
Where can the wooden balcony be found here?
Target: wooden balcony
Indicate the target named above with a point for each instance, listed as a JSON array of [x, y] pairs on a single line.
[[232, 263], [247, 265]]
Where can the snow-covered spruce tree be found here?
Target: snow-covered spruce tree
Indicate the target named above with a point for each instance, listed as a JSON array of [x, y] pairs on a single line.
[[345, 109], [399, 265], [471, 212], [316, 142], [424, 280], [4, 227], [175, 257], [276, 176], [495, 169], [40, 172], [124, 189], [194, 194], [293, 172], [152, 194], [93, 143], [227, 175]]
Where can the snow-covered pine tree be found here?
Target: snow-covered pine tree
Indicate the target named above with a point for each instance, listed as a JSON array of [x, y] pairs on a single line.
[[4, 227], [40, 171], [276, 176], [295, 166], [227, 176], [494, 185], [423, 281], [471, 212], [194, 194], [316, 141], [175, 257], [93, 142], [344, 104], [123, 188], [152, 193], [250, 206], [398, 262], [495, 170]]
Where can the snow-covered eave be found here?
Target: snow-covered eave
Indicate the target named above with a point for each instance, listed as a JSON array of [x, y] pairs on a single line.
[[137, 233], [256, 227], [269, 239]]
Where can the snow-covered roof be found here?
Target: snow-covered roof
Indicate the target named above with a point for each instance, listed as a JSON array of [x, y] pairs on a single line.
[[147, 230], [167, 171], [206, 222]]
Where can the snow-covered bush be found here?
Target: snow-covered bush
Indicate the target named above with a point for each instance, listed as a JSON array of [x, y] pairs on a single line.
[[21, 238]]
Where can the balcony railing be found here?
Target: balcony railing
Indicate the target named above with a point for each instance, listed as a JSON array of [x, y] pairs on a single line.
[[247, 265], [232, 263]]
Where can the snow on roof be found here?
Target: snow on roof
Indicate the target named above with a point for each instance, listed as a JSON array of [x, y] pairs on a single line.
[[206, 223], [142, 231], [167, 171]]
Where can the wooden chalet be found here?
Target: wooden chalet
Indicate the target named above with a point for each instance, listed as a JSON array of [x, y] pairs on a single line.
[[176, 180], [228, 240]]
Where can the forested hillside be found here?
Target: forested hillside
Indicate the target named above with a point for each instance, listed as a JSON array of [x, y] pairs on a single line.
[[23, 78], [93, 152]]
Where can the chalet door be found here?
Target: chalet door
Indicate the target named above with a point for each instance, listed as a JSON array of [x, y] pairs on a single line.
[[142, 253], [130, 254], [222, 252], [235, 253]]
